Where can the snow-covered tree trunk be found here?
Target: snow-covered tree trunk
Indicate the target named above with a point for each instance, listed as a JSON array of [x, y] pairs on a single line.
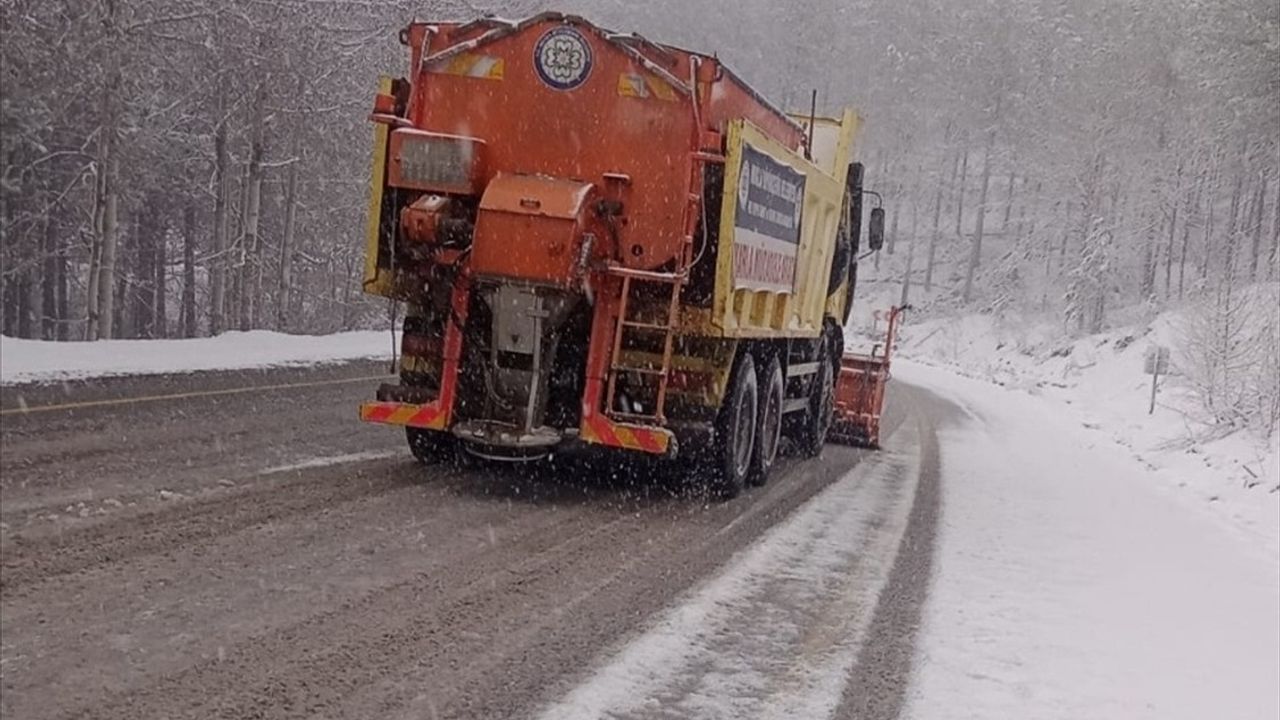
[[1191, 216], [64, 292], [1008, 199], [959, 194], [251, 299], [1211, 198], [936, 231], [1066, 237], [1259, 200], [189, 324], [102, 266], [160, 279], [284, 282], [1175, 201], [1233, 231], [142, 275], [219, 262], [911, 239], [49, 319], [975, 251], [250, 280], [1147, 264], [107, 242], [1274, 256], [892, 237]]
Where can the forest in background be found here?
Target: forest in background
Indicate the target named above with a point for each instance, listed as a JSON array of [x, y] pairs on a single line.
[[176, 168]]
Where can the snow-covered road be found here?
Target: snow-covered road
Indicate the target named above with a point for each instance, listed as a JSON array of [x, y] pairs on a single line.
[[189, 546], [778, 632], [998, 559], [1068, 584]]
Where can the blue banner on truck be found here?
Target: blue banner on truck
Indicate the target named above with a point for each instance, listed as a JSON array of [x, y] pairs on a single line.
[[766, 224]]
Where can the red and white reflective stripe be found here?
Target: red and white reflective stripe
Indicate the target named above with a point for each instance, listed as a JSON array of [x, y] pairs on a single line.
[[601, 431], [393, 413]]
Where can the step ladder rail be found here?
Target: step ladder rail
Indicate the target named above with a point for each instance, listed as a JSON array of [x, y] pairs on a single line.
[[628, 326], [674, 282], [668, 346], [610, 395]]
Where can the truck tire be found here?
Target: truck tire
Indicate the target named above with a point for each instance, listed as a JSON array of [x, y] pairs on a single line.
[[428, 446], [822, 402], [768, 422], [736, 430]]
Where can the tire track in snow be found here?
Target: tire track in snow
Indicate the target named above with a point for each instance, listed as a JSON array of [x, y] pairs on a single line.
[[878, 687], [191, 520], [777, 632]]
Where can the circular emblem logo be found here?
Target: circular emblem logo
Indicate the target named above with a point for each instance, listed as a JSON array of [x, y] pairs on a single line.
[[563, 58]]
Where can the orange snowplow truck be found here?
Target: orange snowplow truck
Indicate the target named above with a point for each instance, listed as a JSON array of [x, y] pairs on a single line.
[[604, 240]]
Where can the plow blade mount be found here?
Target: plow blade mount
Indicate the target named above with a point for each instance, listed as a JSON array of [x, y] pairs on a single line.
[[860, 391], [859, 400]]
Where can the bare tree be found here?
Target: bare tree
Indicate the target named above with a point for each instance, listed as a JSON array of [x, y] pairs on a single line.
[[112, 106], [975, 253]]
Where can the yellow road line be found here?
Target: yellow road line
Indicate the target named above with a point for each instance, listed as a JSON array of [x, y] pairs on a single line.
[[186, 395]]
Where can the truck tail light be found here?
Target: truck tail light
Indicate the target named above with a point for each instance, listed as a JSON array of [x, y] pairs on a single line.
[[421, 160]]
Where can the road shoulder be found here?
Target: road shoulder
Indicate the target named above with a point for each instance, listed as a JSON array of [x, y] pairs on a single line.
[[1067, 584]]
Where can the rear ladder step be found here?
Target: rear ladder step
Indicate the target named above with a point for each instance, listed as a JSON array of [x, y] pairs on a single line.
[[628, 327], [638, 370]]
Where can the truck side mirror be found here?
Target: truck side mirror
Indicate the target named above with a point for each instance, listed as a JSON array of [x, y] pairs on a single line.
[[875, 229]]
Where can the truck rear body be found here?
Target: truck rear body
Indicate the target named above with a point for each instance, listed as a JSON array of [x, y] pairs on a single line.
[[589, 231]]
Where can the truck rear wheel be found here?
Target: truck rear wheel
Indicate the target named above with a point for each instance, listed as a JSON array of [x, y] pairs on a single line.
[[428, 446], [736, 430], [769, 422], [822, 405]]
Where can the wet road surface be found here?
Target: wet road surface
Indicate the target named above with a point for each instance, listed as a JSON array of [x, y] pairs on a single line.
[[238, 545]]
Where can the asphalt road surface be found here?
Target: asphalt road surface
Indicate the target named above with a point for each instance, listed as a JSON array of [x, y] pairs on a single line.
[[238, 545]]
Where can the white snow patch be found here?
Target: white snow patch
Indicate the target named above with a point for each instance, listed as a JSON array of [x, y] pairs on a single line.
[[1098, 382], [776, 632], [1068, 584], [42, 361], [326, 461]]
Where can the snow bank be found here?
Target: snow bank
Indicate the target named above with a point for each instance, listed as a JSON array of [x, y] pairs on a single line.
[[1068, 585], [1098, 381], [41, 361]]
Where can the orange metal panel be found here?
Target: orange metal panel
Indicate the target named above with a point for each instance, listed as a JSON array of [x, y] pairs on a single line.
[[860, 391], [585, 132], [534, 195], [732, 100], [626, 109], [529, 228]]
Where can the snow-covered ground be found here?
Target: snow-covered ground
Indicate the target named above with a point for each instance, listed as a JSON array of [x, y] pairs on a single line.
[[776, 632], [1097, 383], [1069, 584], [41, 361]]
